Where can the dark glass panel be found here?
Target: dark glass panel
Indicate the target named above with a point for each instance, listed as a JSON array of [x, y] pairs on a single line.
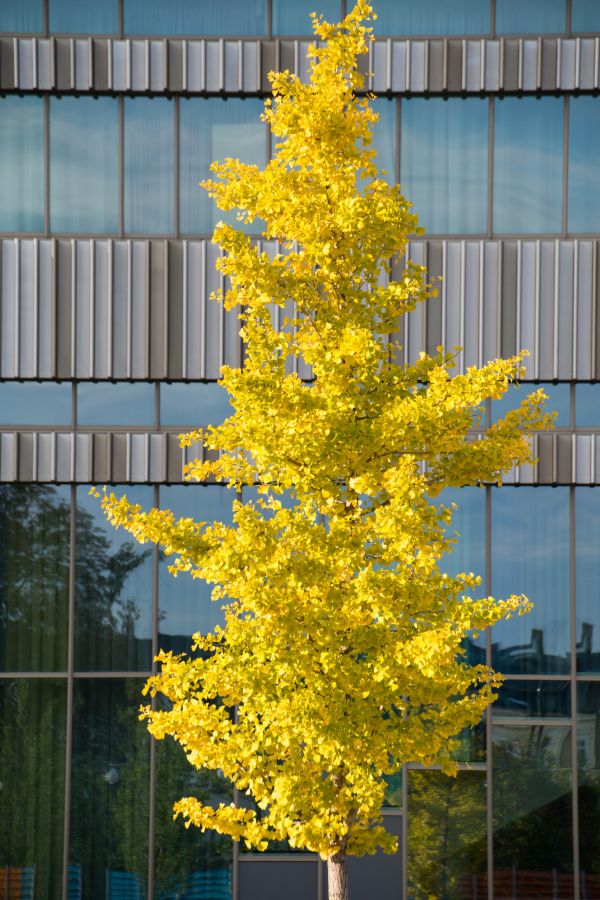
[[294, 18], [532, 806], [528, 159], [197, 405], [124, 403], [84, 16], [446, 835], [22, 163], [444, 162], [530, 555], [84, 160], [587, 578], [184, 604], [32, 787], [393, 791], [584, 174], [34, 577], [110, 790], [24, 16], [384, 137], [533, 699], [35, 403], [588, 768], [149, 165], [587, 405], [532, 17], [559, 401], [212, 129], [432, 17], [113, 589], [188, 863], [193, 17], [585, 16]]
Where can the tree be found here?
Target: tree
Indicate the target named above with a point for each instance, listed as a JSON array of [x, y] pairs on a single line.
[[341, 653]]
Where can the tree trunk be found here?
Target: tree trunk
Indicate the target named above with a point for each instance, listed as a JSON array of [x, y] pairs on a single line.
[[337, 877]]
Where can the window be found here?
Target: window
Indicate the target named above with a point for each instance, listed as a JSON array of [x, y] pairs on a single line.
[[124, 403], [34, 403], [84, 16], [149, 17], [22, 163], [431, 17], [584, 173], [193, 405], [443, 168], [384, 137], [587, 574], [24, 17], [530, 17], [149, 165], [587, 405], [559, 396], [294, 18], [585, 16]]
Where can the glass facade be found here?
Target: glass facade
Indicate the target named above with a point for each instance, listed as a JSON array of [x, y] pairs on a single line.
[[22, 163]]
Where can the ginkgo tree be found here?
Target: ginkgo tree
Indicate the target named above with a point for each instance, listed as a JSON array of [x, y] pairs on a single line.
[[341, 655]]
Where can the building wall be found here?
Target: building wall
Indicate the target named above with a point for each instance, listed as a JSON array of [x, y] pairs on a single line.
[[110, 113]]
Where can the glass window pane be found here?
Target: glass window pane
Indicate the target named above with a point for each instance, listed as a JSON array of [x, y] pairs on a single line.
[[584, 174], [84, 16], [187, 862], [432, 17], [32, 785], [84, 154], [559, 401], [587, 578], [528, 158], [443, 167], [184, 603], [532, 17], [24, 17], [211, 129], [113, 589], [149, 166], [533, 699], [196, 405], [384, 137], [110, 789], [123, 403], [34, 577], [447, 835], [35, 403], [588, 768], [532, 805], [468, 525], [587, 405], [22, 163], [294, 18], [585, 16], [530, 555], [191, 17]]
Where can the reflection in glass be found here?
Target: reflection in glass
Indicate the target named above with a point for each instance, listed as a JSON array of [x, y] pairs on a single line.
[[84, 160], [191, 17], [533, 699], [113, 589], [32, 786], [212, 129], [429, 17], [384, 137], [584, 177], [149, 153], [530, 555], [587, 406], [34, 577], [124, 403], [110, 789], [446, 835], [533, 17], [587, 578], [528, 158], [559, 401], [532, 811], [22, 163], [198, 404], [585, 17], [588, 767], [184, 604], [84, 16], [35, 403], [24, 17], [443, 167], [294, 18], [188, 863]]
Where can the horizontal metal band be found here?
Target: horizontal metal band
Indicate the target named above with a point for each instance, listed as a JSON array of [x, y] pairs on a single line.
[[147, 457], [107, 309], [446, 66]]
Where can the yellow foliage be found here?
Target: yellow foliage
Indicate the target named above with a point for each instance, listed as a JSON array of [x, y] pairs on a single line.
[[341, 651]]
